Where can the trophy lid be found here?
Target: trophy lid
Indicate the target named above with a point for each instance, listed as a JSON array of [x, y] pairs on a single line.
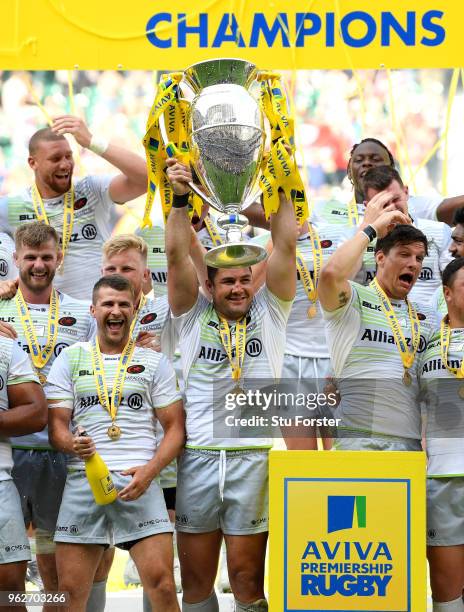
[[214, 72]]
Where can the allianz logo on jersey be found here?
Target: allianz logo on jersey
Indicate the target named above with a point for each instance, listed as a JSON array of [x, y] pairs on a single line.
[[380, 336], [432, 365], [214, 354]]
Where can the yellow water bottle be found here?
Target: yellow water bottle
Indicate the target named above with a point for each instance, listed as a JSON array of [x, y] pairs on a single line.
[[99, 478]]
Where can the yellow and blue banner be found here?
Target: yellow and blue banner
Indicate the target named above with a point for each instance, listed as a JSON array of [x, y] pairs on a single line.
[[347, 532], [111, 34]]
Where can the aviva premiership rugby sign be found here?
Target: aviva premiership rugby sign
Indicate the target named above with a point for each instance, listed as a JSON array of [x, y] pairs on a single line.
[[347, 532]]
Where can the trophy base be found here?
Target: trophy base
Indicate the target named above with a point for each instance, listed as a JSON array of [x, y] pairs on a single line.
[[235, 255]]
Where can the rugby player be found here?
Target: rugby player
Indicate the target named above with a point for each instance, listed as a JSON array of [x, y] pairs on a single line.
[[441, 367], [43, 321], [222, 483], [382, 186], [374, 333], [23, 410], [80, 211], [457, 250], [123, 433]]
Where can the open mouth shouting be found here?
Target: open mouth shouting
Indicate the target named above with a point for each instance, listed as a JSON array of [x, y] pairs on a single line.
[[406, 280]]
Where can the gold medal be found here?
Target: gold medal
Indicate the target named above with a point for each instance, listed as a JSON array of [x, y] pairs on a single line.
[[114, 432], [407, 378], [238, 390], [312, 312], [42, 378]]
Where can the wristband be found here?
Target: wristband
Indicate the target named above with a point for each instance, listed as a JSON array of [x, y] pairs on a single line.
[[180, 201], [370, 232], [98, 145]]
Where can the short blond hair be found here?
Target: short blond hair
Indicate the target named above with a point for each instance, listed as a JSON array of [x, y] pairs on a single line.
[[124, 242]]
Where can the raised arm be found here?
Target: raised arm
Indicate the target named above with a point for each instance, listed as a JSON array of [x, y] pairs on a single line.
[[182, 276], [334, 290], [447, 209], [132, 182], [281, 266], [27, 411]]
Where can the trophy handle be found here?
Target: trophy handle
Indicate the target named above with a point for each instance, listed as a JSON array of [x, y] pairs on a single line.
[[202, 195]]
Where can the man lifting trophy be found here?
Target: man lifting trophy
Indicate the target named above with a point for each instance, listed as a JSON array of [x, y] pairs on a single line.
[[207, 117]]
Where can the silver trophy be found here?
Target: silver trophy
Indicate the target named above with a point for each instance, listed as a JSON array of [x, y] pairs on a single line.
[[227, 142]]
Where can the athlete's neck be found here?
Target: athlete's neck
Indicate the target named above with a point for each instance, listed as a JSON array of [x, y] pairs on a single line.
[[46, 192], [112, 348], [36, 297], [229, 317], [388, 292], [455, 317]]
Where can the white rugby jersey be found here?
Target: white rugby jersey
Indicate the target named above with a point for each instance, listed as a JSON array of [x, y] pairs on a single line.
[[445, 407], [74, 323], [150, 384], [15, 368], [438, 303], [206, 367], [439, 238], [92, 203], [368, 365]]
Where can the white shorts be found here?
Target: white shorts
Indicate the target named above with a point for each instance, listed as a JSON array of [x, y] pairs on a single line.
[[14, 545], [226, 490]]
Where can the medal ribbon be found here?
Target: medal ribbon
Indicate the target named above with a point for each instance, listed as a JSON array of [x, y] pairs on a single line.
[[142, 301], [39, 356], [309, 284], [212, 231], [68, 214], [100, 380], [445, 339], [240, 337], [407, 357], [353, 215]]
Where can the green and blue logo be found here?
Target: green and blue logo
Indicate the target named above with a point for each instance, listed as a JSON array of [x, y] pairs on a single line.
[[342, 509]]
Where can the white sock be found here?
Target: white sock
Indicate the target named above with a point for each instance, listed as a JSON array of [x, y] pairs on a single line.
[[208, 605], [457, 605], [97, 598]]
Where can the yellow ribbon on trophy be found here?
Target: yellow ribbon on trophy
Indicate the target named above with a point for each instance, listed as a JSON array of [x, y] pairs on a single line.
[[175, 115], [310, 284], [279, 169], [111, 406], [39, 357], [68, 215], [407, 357], [445, 339], [240, 338]]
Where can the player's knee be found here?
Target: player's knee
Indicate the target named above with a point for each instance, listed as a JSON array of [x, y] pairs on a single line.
[[163, 586], [246, 582]]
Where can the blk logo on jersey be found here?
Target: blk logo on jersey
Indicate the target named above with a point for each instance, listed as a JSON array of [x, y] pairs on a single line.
[[137, 368], [59, 347], [3, 267], [135, 401], [148, 318], [89, 232], [67, 321], [254, 347], [80, 203]]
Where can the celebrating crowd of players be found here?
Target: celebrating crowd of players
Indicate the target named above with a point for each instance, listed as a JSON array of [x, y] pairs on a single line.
[[99, 360]]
